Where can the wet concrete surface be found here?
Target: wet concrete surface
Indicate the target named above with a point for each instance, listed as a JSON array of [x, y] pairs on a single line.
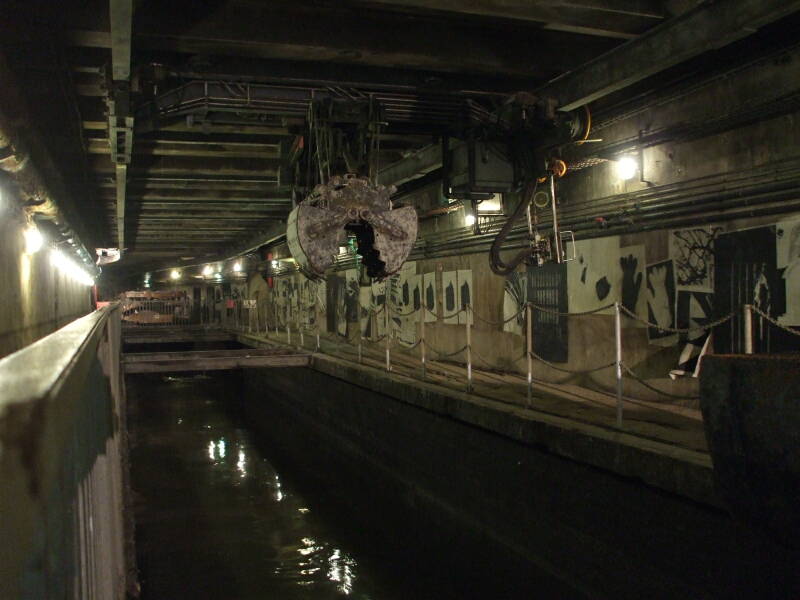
[[224, 513]]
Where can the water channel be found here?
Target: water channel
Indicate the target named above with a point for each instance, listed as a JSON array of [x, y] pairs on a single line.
[[224, 512]]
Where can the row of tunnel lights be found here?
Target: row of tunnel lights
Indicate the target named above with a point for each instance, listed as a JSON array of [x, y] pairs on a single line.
[[34, 241], [208, 271]]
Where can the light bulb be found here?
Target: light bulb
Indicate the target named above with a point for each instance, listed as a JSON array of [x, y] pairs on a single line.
[[207, 271], [237, 267], [469, 220], [174, 274], [33, 240], [626, 168]]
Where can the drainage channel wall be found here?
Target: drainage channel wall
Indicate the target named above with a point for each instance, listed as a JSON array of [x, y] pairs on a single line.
[[615, 517]]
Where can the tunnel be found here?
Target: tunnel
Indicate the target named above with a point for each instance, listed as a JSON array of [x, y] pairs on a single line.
[[399, 299]]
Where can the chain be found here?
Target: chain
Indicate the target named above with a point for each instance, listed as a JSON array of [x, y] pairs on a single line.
[[400, 345], [568, 314], [655, 389], [574, 372], [490, 322], [443, 354], [760, 312], [377, 341], [397, 313], [711, 325]]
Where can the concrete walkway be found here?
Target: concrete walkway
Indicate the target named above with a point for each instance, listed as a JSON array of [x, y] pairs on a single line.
[[659, 421]]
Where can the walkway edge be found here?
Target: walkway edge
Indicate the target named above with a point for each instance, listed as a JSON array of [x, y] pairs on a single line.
[[676, 470]]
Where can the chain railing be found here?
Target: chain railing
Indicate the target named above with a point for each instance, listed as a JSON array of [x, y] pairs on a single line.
[[384, 342]]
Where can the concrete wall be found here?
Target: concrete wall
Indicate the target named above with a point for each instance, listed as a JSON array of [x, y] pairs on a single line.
[[35, 298]]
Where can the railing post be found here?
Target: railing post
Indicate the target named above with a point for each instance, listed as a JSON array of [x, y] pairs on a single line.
[[618, 344], [360, 334], [288, 333], [300, 329], [469, 348], [388, 334], [316, 321], [529, 348], [748, 328], [422, 340]]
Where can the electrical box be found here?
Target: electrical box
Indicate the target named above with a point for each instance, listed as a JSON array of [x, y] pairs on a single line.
[[480, 167]]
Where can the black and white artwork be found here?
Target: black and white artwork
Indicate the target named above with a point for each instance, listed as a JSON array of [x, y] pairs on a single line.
[[377, 327], [464, 277], [692, 253], [405, 298], [661, 302], [515, 296], [352, 291], [787, 248], [594, 278], [694, 310], [429, 296], [364, 303], [450, 297], [630, 279]]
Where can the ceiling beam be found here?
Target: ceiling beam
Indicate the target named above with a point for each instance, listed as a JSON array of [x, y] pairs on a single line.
[[298, 32], [709, 26], [120, 121], [574, 16]]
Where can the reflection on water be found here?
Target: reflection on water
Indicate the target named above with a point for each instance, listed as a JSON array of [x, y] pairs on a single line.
[[214, 519]]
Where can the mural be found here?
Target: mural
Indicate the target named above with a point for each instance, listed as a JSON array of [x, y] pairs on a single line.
[[787, 248], [464, 280], [514, 298], [630, 281], [692, 253], [694, 309], [661, 302], [429, 296], [405, 297], [594, 278], [450, 297]]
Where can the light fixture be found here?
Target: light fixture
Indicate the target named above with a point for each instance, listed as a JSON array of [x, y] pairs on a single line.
[[469, 220], [626, 168], [274, 264], [33, 239], [207, 271], [69, 267], [237, 267], [175, 274]]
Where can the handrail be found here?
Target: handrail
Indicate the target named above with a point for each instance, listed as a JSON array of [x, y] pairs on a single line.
[[61, 498]]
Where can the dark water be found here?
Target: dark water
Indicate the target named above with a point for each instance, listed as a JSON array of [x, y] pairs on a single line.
[[216, 517]]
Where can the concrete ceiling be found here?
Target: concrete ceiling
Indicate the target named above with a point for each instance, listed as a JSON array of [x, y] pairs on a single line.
[[172, 121]]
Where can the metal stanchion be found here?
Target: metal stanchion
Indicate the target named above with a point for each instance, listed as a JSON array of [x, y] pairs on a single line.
[[618, 340], [288, 333], [388, 336], [748, 328], [469, 348], [317, 322], [422, 340], [360, 334], [529, 347], [300, 329]]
